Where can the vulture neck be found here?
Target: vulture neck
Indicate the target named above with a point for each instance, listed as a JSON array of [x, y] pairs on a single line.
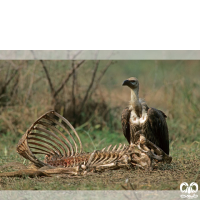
[[134, 103]]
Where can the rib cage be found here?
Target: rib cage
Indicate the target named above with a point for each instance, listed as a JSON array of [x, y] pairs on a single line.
[[47, 136]]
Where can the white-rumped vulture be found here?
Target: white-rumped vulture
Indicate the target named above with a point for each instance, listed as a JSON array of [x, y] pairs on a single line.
[[139, 117]]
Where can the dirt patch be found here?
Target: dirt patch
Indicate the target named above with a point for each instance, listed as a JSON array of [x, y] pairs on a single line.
[[165, 176]]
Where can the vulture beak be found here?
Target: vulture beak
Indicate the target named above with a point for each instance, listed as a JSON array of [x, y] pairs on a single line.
[[126, 82]]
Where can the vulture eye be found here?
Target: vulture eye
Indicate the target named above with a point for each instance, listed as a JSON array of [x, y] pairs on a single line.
[[133, 81]]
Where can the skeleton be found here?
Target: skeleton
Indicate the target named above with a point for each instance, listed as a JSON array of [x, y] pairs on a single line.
[[52, 137]]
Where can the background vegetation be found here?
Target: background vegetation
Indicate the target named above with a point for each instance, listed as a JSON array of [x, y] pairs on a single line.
[[89, 94]]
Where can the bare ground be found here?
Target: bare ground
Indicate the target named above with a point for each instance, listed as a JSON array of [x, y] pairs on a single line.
[[163, 177]]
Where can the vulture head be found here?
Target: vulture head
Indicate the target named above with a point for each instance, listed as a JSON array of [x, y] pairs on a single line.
[[132, 83]]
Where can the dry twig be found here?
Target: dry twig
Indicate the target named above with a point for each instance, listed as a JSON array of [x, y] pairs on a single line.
[[67, 77], [48, 78], [91, 84], [100, 77]]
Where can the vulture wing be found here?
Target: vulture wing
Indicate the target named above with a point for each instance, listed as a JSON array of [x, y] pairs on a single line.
[[159, 129], [125, 123]]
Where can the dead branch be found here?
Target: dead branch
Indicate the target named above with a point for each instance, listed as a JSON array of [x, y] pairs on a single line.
[[7, 73], [31, 84], [14, 88], [91, 84], [67, 77], [73, 89], [11, 77], [100, 77], [7, 82], [48, 78], [15, 65]]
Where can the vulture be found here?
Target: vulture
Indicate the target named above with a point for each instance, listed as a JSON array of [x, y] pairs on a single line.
[[139, 117]]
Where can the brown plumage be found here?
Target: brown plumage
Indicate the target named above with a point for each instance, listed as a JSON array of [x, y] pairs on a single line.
[[139, 117]]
